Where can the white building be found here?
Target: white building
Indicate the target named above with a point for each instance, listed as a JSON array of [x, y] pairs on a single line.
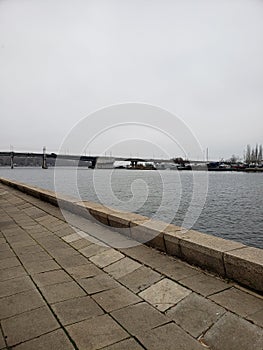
[[105, 163]]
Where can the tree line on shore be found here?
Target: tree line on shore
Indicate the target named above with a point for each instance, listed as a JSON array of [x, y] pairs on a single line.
[[253, 155]]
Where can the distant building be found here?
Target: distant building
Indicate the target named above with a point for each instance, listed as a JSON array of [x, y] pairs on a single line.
[[105, 163]]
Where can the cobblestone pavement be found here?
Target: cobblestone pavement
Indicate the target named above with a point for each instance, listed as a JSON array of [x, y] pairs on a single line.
[[59, 289]]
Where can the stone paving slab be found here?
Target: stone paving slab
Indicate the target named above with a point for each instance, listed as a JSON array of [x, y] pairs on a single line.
[[76, 310], [98, 283], [61, 291], [164, 294], [51, 277], [139, 318], [56, 340], [28, 325], [234, 333], [19, 303], [96, 333], [13, 272], [140, 279], [115, 299], [125, 344], [196, 314], [169, 337], [60, 288]]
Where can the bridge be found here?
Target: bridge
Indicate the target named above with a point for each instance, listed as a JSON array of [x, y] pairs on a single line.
[[84, 158]]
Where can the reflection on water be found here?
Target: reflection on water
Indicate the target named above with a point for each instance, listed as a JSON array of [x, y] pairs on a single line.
[[233, 207]]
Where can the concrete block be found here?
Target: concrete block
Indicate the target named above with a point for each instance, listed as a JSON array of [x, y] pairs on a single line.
[[150, 232], [123, 219], [206, 251], [172, 240], [101, 214], [245, 266]]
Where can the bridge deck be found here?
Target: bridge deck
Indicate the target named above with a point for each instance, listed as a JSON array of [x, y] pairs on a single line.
[[61, 289]]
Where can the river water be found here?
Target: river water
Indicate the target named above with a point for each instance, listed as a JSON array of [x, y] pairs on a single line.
[[232, 206]]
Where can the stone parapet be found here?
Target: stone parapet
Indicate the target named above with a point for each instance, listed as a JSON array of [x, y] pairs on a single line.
[[230, 259]]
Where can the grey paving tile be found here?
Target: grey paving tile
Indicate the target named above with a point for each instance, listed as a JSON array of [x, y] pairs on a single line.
[[122, 267], [76, 310], [21, 302], [140, 279], [71, 237], [4, 254], [139, 318], [28, 325], [61, 291], [239, 302], [234, 333], [205, 284], [176, 269], [116, 298], [39, 256], [41, 266], [56, 340], [257, 318], [96, 333], [169, 337], [72, 261], [13, 272], [98, 283], [2, 341], [93, 249], [84, 271], [15, 285], [4, 247], [33, 249], [9, 262], [196, 314], [146, 255], [51, 277], [106, 258], [164, 294], [81, 243], [129, 344], [61, 251]]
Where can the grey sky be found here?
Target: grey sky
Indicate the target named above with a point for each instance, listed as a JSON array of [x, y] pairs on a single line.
[[201, 60]]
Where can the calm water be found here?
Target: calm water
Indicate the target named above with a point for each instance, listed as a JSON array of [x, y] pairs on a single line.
[[232, 208]]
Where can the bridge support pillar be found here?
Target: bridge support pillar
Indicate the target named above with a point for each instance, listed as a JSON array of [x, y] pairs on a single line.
[[134, 163], [12, 160], [44, 159], [93, 163]]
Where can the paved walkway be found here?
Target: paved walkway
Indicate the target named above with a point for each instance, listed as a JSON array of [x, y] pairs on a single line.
[[61, 290]]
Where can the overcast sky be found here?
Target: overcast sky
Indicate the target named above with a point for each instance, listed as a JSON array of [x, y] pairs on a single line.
[[201, 60]]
